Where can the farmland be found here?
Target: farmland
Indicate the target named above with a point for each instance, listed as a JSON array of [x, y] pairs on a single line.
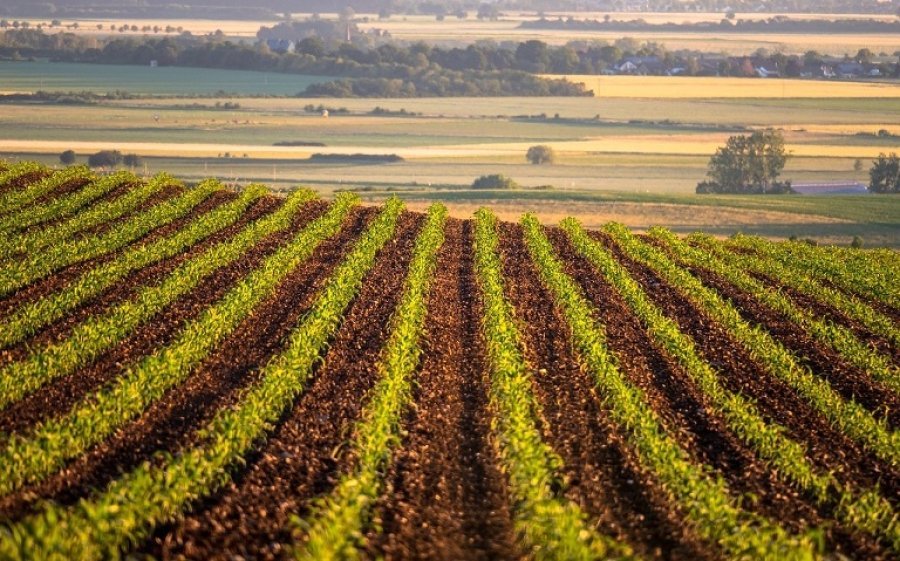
[[212, 372]]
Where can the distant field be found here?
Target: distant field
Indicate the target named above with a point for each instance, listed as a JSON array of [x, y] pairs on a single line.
[[679, 87], [102, 78]]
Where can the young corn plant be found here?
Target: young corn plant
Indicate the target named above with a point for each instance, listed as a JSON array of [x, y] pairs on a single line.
[[96, 334], [130, 507], [65, 205], [838, 337], [12, 199], [705, 499], [31, 316], [31, 457], [847, 304], [550, 527], [14, 274], [866, 511], [863, 276], [99, 214], [338, 521], [847, 416]]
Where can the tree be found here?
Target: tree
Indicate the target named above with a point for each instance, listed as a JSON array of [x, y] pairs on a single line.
[[105, 159], [540, 154], [132, 160], [748, 164], [67, 158], [884, 177]]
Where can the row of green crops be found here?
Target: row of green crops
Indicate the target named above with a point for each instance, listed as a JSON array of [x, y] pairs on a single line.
[[339, 519], [15, 274], [848, 416], [866, 511], [12, 199], [65, 205], [96, 334], [101, 213], [847, 304], [838, 337], [550, 526], [31, 316], [99, 527], [30, 457], [857, 276], [704, 499]]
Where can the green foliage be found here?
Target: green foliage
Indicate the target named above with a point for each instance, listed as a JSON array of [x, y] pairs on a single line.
[[96, 334], [64, 206], [848, 416], [867, 511], [31, 457], [67, 157], [550, 526], [748, 164], [100, 213], [705, 499], [540, 154], [494, 181], [339, 519], [14, 199], [99, 527], [884, 176], [18, 273], [105, 159]]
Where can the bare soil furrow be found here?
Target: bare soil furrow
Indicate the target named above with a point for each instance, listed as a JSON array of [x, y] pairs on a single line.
[[446, 497], [62, 277], [63, 393], [307, 451], [171, 422], [701, 431], [603, 474], [740, 373]]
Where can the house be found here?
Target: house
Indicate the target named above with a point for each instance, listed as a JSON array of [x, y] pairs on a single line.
[[763, 72], [641, 66]]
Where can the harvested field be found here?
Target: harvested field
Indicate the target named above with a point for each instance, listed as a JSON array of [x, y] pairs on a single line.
[[232, 375]]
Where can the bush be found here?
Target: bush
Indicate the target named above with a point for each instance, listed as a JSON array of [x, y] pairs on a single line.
[[540, 154], [132, 160], [495, 181], [67, 158], [105, 159]]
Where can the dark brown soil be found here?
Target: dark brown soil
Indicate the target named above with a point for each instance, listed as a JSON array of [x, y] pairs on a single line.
[[60, 278], [63, 393], [166, 193], [740, 373], [703, 433], [603, 474], [307, 452], [847, 380], [446, 497], [170, 423]]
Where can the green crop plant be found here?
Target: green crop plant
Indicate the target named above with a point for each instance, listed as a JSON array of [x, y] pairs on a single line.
[[847, 304], [849, 417], [31, 316], [550, 526], [32, 456], [96, 334], [706, 501], [340, 518], [838, 337], [154, 493], [12, 199], [63, 206], [101, 213], [15, 274], [867, 511]]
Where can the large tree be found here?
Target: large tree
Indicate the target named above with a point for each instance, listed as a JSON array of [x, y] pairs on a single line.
[[884, 177], [748, 164]]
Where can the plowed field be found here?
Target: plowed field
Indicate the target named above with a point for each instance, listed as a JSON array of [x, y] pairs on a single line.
[[203, 373]]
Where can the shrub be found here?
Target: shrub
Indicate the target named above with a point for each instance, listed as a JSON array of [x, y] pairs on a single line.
[[494, 181]]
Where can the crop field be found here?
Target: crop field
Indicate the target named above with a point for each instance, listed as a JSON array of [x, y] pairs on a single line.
[[197, 372]]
